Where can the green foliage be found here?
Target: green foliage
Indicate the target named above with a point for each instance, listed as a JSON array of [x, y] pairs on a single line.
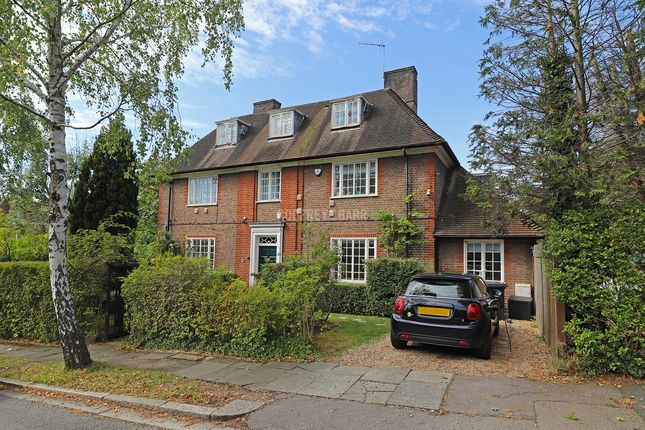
[[387, 279], [599, 271], [178, 302], [107, 185], [398, 234], [26, 309], [346, 299]]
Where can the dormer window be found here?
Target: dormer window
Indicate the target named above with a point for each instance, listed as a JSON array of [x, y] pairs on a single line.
[[229, 132], [346, 113], [283, 124]]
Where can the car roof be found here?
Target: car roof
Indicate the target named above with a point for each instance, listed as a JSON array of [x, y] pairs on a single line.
[[452, 276]]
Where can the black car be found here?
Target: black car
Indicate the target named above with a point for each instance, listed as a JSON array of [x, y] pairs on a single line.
[[446, 309]]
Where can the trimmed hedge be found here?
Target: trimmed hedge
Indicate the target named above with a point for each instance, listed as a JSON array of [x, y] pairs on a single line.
[[386, 279], [177, 302], [26, 308], [346, 299]]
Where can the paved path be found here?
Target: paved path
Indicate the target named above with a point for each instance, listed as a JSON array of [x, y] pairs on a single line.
[[518, 402]]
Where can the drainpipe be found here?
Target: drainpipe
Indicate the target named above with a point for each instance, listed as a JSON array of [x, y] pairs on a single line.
[[407, 184], [169, 207], [407, 192]]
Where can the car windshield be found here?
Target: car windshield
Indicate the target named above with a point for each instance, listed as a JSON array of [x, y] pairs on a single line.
[[439, 288]]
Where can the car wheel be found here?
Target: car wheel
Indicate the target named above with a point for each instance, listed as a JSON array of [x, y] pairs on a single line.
[[484, 350], [398, 343]]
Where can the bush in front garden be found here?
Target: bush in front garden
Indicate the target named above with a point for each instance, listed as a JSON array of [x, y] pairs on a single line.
[[386, 279], [598, 270], [178, 302], [26, 308], [346, 299]]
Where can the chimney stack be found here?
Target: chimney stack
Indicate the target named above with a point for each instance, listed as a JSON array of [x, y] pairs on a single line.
[[404, 83], [266, 105]]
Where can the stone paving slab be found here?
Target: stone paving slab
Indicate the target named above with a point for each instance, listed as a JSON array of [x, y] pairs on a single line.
[[231, 373], [262, 375], [156, 355], [567, 415], [429, 377], [292, 383], [392, 375], [501, 395], [331, 383], [317, 366], [205, 368], [188, 356], [419, 394], [308, 413], [56, 356]]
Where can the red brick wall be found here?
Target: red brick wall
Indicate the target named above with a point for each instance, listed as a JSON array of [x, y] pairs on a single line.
[[349, 217], [518, 260]]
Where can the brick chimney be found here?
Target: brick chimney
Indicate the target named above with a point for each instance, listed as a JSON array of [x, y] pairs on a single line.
[[266, 105], [404, 83]]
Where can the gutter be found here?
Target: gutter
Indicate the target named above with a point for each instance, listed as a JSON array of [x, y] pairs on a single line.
[[443, 144]]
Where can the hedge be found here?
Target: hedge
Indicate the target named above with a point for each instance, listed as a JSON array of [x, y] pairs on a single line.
[[26, 308], [177, 302], [387, 279], [346, 299]]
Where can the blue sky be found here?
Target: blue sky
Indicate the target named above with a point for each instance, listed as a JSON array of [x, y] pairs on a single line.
[[300, 51]]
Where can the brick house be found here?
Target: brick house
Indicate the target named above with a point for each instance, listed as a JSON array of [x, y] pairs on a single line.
[[246, 190]]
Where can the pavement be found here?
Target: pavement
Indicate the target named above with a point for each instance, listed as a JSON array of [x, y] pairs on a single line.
[[327, 395]]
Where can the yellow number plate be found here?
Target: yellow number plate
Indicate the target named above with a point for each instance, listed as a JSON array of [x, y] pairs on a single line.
[[433, 312]]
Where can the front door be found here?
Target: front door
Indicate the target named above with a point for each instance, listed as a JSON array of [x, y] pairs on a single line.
[[267, 251], [266, 247]]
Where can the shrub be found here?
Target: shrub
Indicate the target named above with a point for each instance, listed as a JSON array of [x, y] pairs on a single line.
[[179, 302], [346, 299], [599, 272], [386, 279], [26, 308]]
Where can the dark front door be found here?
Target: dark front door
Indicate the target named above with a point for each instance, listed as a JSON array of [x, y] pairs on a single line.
[[266, 254]]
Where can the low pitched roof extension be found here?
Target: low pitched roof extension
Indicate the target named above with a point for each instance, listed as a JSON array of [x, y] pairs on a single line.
[[460, 217]]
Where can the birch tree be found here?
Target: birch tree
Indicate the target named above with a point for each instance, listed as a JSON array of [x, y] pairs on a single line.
[[114, 55]]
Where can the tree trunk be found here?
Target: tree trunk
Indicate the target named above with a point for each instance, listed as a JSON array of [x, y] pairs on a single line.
[[75, 352], [579, 74]]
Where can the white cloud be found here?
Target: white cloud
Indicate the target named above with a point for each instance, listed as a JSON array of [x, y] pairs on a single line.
[[456, 23], [304, 23]]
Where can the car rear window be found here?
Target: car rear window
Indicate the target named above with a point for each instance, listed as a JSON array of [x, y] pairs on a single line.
[[439, 288]]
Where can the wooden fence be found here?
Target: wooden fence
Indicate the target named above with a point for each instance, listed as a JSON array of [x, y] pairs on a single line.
[[549, 311]]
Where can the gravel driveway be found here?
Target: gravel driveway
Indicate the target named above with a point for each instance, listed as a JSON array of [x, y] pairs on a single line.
[[527, 359]]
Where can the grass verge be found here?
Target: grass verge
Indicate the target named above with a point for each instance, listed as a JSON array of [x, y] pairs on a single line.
[[105, 377], [348, 331]]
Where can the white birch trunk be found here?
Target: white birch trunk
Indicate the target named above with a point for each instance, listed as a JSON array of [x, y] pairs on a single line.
[[75, 352]]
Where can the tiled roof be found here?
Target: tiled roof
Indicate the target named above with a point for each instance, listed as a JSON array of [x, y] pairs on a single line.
[[389, 124], [460, 217]]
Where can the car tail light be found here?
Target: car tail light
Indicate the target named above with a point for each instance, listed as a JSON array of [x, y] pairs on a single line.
[[474, 312], [398, 306], [463, 343], [404, 336]]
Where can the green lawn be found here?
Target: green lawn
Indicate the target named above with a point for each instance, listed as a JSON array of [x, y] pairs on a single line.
[[347, 331]]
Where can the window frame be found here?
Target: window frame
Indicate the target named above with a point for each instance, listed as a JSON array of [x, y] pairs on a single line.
[[210, 245], [333, 242], [214, 192], [482, 273], [269, 172], [281, 114], [220, 138], [345, 103], [368, 184]]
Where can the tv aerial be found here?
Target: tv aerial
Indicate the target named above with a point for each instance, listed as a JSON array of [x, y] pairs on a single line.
[[381, 47]]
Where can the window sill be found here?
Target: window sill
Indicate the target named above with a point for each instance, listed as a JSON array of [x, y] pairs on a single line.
[[354, 197], [201, 205], [267, 201], [345, 127], [347, 281]]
